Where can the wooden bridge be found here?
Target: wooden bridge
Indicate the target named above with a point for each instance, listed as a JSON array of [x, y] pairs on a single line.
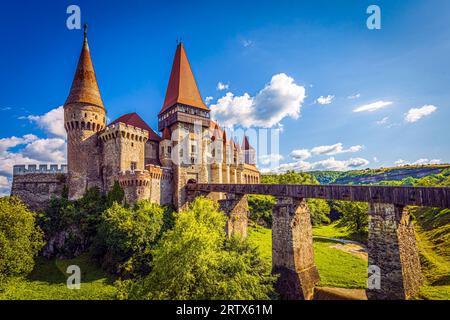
[[394, 266]]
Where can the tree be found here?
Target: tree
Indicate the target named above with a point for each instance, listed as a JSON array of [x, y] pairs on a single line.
[[20, 238], [194, 260], [116, 194], [355, 217], [126, 235]]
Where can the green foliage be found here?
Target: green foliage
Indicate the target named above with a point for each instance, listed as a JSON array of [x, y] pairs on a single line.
[[260, 207], [355, 217], [125, 237], [73, 221], [116, 194], [194, 260], [20, 238], [48, 281]]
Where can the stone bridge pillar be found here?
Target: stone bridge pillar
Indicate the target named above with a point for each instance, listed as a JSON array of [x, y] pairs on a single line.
[[292, 250], [236, 209], [392, 248]]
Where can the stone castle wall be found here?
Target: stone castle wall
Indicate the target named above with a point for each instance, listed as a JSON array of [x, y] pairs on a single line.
[[154, 184], [35, 185]]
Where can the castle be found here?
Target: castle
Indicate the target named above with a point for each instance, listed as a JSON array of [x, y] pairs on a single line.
[[147, 165]]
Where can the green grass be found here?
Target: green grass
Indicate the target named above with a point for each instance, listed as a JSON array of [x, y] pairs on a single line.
[[331, 231], [48, 282], [336, 268]]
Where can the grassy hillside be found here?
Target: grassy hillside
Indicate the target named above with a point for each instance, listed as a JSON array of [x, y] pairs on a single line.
[[336, 268], [371, 176], [48, 282]]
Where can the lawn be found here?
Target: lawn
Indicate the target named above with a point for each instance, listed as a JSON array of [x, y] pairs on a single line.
[[336, 268], [48, 282]]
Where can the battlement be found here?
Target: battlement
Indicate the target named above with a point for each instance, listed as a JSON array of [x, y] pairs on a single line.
[[126, 131], [42, 168], [151, 172]]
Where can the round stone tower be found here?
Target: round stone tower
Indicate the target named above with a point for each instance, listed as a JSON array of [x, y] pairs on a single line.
[[84, 117]]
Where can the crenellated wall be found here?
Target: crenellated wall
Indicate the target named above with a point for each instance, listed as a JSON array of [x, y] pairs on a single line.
[[36, 184], [154, 184]]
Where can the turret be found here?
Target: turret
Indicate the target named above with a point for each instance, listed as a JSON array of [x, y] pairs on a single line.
[[84, 117]]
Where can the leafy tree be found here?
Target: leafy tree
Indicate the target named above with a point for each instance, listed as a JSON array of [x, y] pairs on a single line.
[[20, 238], [126, 235], [354, 216], [260, 207], [195, 261], [116, 194]]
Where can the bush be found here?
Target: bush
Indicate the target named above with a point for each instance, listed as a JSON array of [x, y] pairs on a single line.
[[195, 261], [70, 226], [260, 208], [20, 238], [126, 235]]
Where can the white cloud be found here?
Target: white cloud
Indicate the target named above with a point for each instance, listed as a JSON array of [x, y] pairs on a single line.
[[334, 149], [279, 99], [270, 159], [52, 122], [300, 154], [382, 121], [327, 164], [415, 114], [354, 96], [371, 107], [422, 161], [325, 100], [4, 186], [208, 100], [46, 150], [222, 86], [11, 142]]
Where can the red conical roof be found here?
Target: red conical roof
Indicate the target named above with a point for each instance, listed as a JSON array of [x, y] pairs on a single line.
[[245, 144], [84, 86], [182, 87], [133, 119]]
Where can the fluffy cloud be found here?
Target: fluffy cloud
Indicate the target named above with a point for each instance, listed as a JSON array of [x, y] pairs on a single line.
[[327, 164], [279, 99], [29, 149], [415, 114], [4, 186], [334, 149], [270, 159], [402, 162], [222, 86], [325, 100], [46, 150], [300, 154], [52, 122], [371, 107]]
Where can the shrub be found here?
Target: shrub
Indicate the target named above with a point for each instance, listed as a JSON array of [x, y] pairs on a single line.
[[126, 235], [20, 238], [195, 261]]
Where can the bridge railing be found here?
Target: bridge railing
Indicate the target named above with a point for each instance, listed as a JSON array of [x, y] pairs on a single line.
[[403, 195]]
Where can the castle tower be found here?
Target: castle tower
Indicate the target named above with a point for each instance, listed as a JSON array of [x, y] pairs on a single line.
[[84, 117], [187, 117]]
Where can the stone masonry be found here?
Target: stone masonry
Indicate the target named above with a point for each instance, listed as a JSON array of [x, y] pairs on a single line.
[[392, 247], [292, 249]]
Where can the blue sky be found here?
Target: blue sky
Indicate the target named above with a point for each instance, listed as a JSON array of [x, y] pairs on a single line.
[[323, 47]]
